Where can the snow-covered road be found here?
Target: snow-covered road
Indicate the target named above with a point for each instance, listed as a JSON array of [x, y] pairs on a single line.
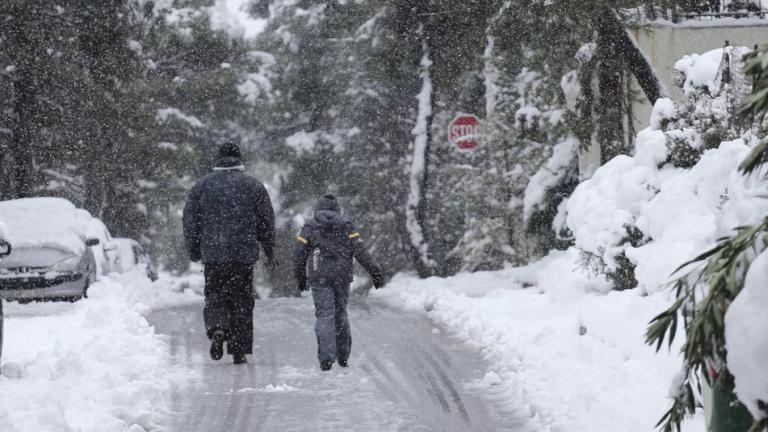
[[404, 375]]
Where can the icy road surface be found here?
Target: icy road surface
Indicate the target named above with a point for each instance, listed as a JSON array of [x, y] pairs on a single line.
[[403, 376]]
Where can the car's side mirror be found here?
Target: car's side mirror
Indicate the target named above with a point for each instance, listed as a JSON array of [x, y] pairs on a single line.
[[5, 248], [92, 242]]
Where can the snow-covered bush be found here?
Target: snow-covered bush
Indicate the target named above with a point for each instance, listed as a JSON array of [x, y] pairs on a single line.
[[714, 85]]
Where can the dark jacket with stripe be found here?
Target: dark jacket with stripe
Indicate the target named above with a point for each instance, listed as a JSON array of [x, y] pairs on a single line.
[[324, 251], [227, 216]]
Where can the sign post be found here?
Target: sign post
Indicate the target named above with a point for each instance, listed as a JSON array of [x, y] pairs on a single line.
[[465, 132]]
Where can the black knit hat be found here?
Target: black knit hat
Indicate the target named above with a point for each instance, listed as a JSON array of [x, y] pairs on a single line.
[[328, 202], [229, 149]]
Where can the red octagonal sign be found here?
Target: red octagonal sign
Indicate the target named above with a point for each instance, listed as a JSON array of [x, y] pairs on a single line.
[[465, 132]]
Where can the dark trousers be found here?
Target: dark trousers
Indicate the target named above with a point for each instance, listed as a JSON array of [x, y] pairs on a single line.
[[229, 304], [334, 338]]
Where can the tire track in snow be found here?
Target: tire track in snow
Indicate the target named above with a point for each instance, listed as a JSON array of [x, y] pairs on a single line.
[[449, 386], [436, 381]]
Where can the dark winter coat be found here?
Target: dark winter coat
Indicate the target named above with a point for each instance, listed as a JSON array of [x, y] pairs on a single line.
[[227, 216], [326, 246]]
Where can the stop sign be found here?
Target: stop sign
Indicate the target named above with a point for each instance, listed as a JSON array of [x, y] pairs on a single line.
[[465, 131]]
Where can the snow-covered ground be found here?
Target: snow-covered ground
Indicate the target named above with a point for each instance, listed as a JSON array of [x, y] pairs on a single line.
[[574, 358], [94, 365], [403, 375]]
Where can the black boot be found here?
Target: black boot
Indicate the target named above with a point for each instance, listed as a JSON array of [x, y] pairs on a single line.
[[239, 358], [343, 362], [326, 365], [217, 344]]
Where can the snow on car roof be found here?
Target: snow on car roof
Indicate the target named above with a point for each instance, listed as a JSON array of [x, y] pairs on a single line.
[[47, 222]]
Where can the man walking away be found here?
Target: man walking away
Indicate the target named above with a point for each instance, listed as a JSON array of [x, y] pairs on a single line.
[[227, 216], [329, 242]]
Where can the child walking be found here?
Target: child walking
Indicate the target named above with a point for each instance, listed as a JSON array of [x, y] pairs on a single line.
[[326, 246]]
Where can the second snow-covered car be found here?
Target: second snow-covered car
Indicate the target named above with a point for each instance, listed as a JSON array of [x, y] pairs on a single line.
[[127, 254], [52, 256]]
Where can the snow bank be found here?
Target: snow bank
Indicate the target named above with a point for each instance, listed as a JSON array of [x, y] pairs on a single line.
[[566, 359], [167, 291], [95, 365], [50, 222], [745, 325]]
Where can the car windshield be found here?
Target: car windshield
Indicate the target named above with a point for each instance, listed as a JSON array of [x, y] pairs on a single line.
[[34, 258]]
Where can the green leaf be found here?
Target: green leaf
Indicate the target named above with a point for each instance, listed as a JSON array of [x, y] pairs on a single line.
[[673, 330], [701, 257]]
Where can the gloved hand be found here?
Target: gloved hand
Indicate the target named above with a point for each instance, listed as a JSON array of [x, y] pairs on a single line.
[[303, 285], [195, 255], [378, 280]]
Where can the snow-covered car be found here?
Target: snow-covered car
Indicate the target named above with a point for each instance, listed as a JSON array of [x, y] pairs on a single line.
[[102, 253], [127, 254], [55, 254]]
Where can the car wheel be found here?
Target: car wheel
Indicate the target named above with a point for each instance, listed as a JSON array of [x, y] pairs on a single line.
[[82, 296]]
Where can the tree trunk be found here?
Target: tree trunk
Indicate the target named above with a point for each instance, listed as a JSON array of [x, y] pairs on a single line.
[[610, 98], [416, 206], [20, 143], [610, 27]]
